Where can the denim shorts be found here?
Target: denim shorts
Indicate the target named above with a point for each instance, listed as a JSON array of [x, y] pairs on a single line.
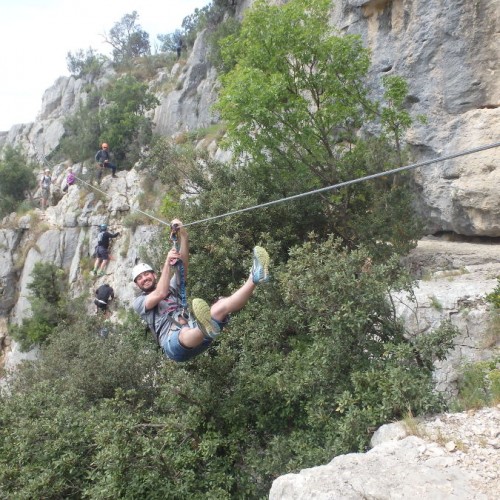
[[173, 349]]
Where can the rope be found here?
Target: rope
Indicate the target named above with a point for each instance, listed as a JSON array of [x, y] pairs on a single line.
[[179, 270], [320, 190], [133, 208], [43, 159]]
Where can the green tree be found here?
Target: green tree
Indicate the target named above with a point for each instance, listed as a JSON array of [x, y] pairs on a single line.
[[81, 130], [18, 179], [81, 387], [87, 63], [297, 108], [170, 41], [128, 39], [48, 300], [123, 122]]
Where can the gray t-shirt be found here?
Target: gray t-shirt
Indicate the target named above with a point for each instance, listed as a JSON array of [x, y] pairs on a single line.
[[158, 319]]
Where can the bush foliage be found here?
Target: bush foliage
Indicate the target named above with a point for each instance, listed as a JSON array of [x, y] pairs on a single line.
[[49, 305], [18, 179], [308, 370]]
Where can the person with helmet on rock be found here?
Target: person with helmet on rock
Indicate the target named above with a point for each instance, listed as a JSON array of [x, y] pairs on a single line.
[[103, 159], [70, 179], [103, 296], [161, 305], [179, 47], [45, 182], [102, 250]]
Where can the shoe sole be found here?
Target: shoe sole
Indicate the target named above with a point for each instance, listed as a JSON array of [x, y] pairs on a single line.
[[201, 311], [261, 255]]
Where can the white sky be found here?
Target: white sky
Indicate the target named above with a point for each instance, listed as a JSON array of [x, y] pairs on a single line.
[[36, 35]]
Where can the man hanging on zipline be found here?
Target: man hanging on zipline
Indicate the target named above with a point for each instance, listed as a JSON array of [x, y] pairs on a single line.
[[163, 304]]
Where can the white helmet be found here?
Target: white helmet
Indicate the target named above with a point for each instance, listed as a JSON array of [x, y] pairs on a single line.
[[140, 268]]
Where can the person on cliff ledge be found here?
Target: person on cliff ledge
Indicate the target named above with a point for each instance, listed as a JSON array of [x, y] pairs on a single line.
[[102, 250], [103, 159], [70, 179], [45, 183], [103, 297]]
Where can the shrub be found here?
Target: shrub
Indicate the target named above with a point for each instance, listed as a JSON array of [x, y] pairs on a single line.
[[479, 384], [314, 363], [135, 219], [18, 178], [494, 296], [87, 63], [123, 123], [48, 298]]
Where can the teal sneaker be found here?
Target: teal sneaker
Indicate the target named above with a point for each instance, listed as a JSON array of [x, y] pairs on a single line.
[[260, 267], [201, 312]]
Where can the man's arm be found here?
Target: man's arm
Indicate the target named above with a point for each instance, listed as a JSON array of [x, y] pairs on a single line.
[[183, 236], [161, 290]]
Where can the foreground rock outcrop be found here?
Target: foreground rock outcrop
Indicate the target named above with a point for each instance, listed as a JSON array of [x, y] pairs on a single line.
[[452, 456]]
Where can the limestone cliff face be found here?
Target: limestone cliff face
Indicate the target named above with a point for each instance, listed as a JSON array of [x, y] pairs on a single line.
[[40, 138], [65, 234], [447, 50], [189, 105]]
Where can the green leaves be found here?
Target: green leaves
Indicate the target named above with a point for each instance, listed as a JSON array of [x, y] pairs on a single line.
[[307, 370], [293, 83], [18, 178], [128, 39], [48, 302], [87, 63], [123, 122], [297, 107]]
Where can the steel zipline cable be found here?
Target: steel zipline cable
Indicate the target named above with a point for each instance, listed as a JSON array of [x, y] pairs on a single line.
[[320, 190], [348, 183]]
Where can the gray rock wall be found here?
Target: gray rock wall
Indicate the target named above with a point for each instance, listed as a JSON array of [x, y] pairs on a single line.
[[188, 106], [65, 234], [448, 51]]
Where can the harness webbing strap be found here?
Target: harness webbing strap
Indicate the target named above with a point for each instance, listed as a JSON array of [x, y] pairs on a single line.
[[180, 272]]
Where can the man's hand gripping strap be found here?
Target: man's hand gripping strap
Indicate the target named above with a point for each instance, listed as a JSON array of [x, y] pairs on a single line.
[[180, 273]]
